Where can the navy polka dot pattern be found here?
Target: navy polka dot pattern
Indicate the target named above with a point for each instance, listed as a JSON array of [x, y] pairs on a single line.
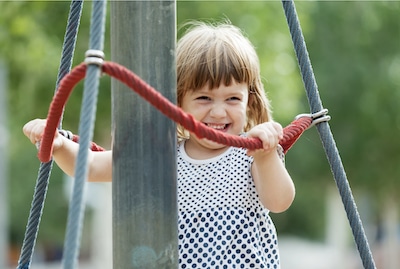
[[222, 223]]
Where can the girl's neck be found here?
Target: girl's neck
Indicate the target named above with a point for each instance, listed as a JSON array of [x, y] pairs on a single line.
[[199, 152]]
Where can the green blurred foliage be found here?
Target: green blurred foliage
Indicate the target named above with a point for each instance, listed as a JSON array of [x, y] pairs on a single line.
[[354, 49], [360, 80]]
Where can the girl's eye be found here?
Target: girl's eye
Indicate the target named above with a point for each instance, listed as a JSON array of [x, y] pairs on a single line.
[[234, 99], [203, 98]]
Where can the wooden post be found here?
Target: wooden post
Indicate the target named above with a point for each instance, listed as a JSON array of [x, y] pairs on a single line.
[[143, 35]]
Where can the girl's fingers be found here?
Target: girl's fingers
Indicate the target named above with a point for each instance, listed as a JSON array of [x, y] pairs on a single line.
[[269, 133], [34, 130]]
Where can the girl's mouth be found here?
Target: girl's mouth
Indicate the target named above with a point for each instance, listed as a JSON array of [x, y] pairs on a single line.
[[219, 127]]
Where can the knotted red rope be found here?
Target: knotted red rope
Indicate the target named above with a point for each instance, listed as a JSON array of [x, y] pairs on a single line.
[[291, 133]]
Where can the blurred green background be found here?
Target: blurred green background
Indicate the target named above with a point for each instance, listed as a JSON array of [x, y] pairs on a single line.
[[354, 49]]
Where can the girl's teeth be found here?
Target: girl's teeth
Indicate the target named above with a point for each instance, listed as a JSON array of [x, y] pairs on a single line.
[[218, 127]]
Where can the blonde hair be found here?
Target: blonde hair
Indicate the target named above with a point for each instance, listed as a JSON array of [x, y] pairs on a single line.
[[219, 53]]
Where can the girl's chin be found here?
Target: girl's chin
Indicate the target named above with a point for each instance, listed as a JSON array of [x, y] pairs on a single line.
[[206, 143], [211, 144]]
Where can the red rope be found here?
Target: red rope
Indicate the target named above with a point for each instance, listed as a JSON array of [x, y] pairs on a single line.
[[291, 133], [56, 108]]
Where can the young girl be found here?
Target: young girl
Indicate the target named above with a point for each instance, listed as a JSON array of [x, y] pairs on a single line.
[[224, 193]]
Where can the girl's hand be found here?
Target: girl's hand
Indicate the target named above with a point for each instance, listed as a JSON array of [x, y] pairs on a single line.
[[273, 183], [34, 131], [270, 133]]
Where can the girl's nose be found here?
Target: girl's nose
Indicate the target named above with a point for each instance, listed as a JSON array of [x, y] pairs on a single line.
[[218, 111]]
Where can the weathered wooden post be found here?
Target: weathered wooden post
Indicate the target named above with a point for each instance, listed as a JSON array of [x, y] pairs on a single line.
[[143, 36]]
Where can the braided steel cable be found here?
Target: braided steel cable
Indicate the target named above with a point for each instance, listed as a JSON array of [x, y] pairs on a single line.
[[42, 181], [86, 128], [326, 136]]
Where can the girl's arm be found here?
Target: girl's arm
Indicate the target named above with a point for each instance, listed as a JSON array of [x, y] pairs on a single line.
[[65, 153], [273, 182]]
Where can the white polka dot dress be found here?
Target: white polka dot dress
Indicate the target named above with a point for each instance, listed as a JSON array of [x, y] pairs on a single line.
[[222, 223]]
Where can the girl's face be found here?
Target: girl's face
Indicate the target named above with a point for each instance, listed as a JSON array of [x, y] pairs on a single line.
[[223, 108]]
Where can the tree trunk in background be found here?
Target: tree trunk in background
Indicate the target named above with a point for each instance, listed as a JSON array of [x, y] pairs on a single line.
[[337, 225], [390, 251], [3, 168], [101, 226]]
